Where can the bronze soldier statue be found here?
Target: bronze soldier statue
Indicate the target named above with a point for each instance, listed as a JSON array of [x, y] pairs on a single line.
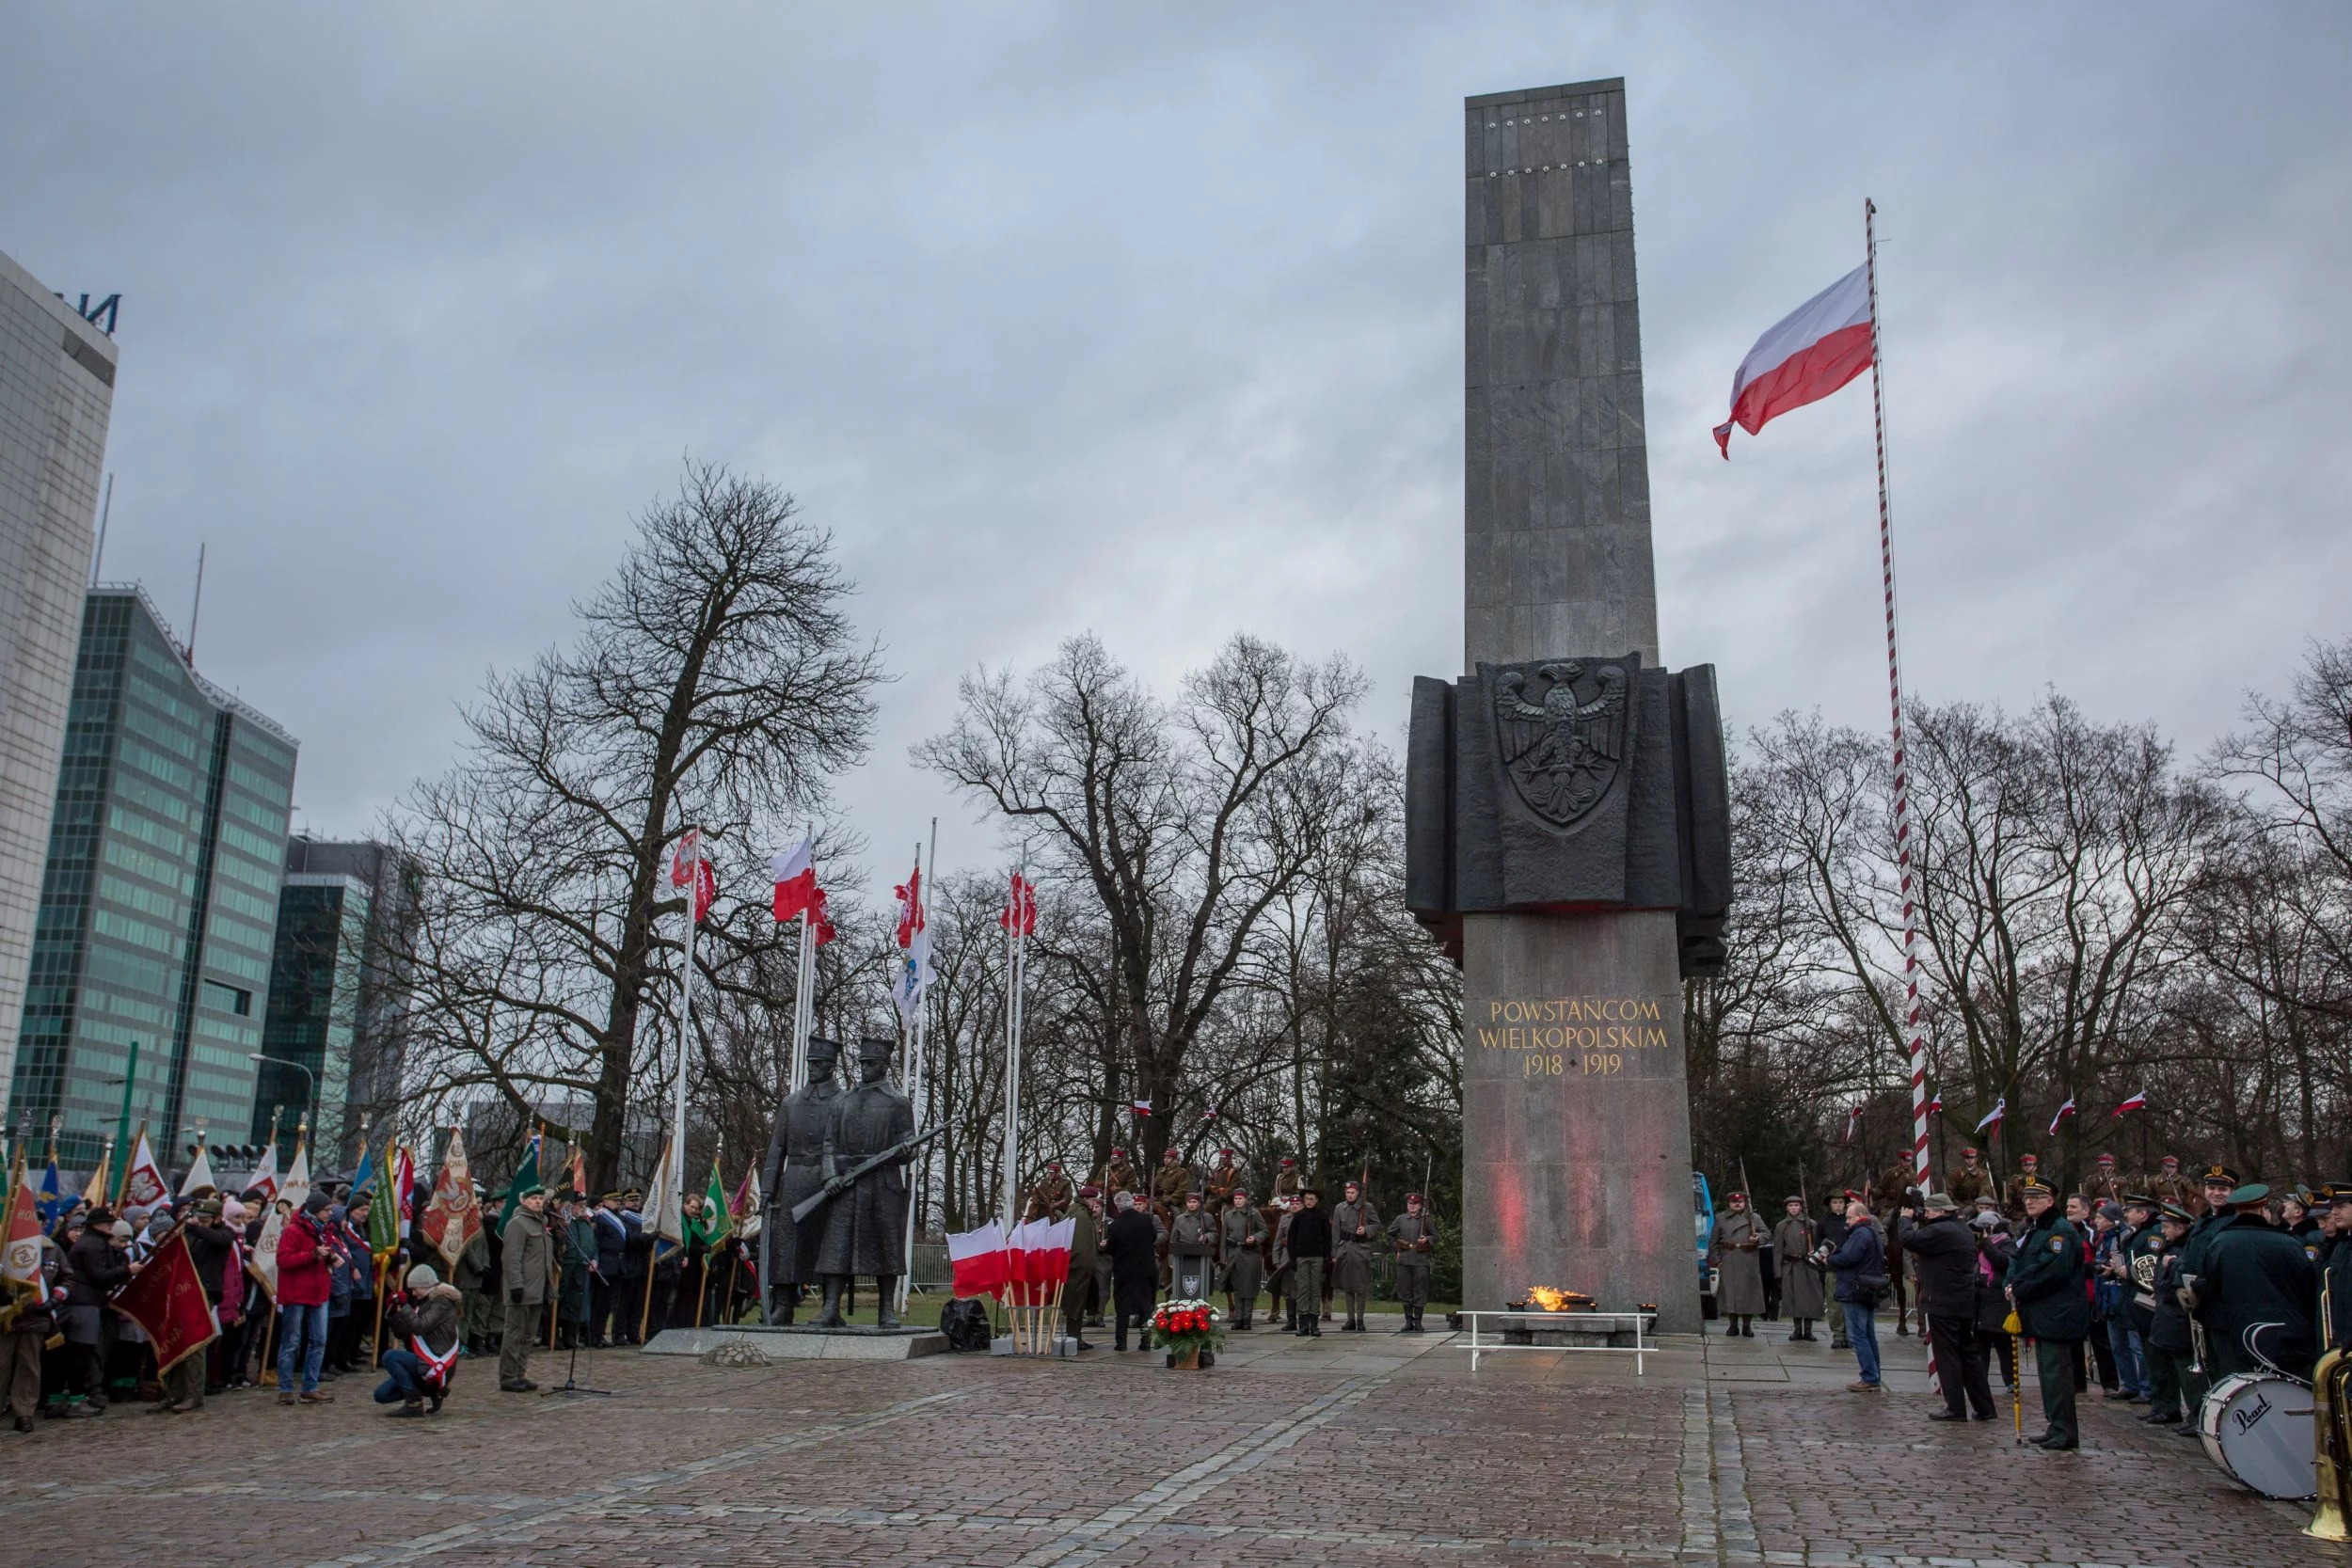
[[795, 1169], [865, 1225]]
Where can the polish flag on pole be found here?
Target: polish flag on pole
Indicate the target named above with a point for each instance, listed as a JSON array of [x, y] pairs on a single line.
[[979, 1260], [796, 880], [1019, 915], [2063, 1112], [2137, 1102], [1140, 1107], [1810, 352], [1993, 1117], [691, 867], [820, 929], [1853, 1119]]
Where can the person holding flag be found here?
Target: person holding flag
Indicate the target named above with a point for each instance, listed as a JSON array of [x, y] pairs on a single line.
[[30, 1296]]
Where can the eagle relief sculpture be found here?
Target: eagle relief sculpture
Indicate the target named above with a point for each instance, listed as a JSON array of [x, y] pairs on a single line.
[[1561, 752]]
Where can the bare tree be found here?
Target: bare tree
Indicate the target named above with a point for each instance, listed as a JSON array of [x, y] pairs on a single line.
[[715, 684]]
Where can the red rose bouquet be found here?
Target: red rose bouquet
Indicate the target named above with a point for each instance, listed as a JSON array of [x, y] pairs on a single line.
[[1186, 1326]]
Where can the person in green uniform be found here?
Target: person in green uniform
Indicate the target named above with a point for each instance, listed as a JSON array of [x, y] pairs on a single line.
[[1414, 1236], [2334, 1208], [2045, 1284], [579, 1260], [2257, 1296], [1086, 1245], [2218, 1182], [1241, 1240], [2170, 1348]]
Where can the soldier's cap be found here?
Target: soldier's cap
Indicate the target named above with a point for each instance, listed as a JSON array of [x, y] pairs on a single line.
[[2031, 1185], [2304, 1195], [1240, 1190], [1089, 1190], [2220, 1175], [2106, 1159], [1053, 1164], [1850, 1196], [534, 1190], [210, 1208], [1735, 1198], [2029, 1159], [1412, 1197], [2252, 1195], [1968, 1151], [2174, 1211], [613, 1197], [820, 1045], [1794, 1198], [2170, 1161], [1117, 1153], [1287, 1160], [1351, 1182], [1225, 1152], [2339, 1195], [634, 1195], [1937, 1201], [2138, 1201], [877, 1048]]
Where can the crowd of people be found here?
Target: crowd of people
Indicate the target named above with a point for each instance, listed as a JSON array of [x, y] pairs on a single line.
[[2156, 1287], [547, 1269]]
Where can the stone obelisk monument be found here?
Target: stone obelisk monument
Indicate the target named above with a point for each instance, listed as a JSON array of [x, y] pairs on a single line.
[[1577, 1131]]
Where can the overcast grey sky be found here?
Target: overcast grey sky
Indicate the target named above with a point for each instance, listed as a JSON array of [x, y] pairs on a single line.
[[1147, 319]]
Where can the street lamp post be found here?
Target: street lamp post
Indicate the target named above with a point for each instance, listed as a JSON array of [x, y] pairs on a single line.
[[309, 1080]]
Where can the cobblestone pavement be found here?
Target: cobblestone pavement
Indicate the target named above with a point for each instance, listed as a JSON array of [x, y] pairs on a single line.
[[1356, 1449]]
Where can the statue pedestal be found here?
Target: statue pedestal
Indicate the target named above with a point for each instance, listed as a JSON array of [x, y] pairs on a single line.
[[1576, 1114], [803, 1342]]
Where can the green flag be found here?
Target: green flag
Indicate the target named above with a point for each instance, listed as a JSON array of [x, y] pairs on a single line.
[[384, 1215], [525, 1178], [717, 1223]]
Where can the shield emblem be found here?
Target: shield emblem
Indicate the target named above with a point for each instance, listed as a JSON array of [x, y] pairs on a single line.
[[1560, 729]]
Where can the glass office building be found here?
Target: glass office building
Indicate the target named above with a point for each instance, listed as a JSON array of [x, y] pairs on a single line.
[[57, 394], [159, 902]]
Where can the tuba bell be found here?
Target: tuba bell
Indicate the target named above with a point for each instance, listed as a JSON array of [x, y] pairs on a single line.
[[2331, 1441]]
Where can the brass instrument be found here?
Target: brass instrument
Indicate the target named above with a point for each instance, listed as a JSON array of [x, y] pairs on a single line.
[[2332, 1440]]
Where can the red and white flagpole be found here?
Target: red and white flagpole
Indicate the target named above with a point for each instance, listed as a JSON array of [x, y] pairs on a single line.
[[1906, 861]]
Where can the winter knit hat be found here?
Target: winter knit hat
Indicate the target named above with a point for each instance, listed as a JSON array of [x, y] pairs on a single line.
[[421, 1278]]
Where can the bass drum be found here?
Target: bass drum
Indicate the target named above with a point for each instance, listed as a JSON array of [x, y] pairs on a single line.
[[2257, 1426]]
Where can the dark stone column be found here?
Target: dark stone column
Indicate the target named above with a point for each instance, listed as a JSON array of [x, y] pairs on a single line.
[[1577, 1143]]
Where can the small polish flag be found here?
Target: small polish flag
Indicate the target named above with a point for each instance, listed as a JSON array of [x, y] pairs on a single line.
[[1935, 1102], [690, 866], [796, 880], [2137, 1102], [2063, 1112], [1853, 1119], [1140, 1107], [1810, 352], [1993, 1117], [979, 1260], [820, 923]]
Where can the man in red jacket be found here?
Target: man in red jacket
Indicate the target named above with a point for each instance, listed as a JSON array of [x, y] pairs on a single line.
[[307, 1256]]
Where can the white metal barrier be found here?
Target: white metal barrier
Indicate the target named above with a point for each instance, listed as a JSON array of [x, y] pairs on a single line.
[[1604, 1323]]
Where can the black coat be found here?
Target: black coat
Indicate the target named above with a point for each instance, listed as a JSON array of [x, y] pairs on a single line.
[[95, 1269], [1946, 1251], [2047, 1277], [1311, 1234], [209, 1250], [1134, 1244], [2259, 1281]]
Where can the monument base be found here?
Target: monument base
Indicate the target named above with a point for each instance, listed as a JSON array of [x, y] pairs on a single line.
[[1585, 1334], [802, 1342], [1062, 1345], [1576, 1112]]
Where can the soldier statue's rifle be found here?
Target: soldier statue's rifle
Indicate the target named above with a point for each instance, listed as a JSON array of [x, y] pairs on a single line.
[[839, 1184]]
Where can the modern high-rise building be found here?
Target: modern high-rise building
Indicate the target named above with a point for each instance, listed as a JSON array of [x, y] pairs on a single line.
[[338, 997], [57, 391], [159, 904]]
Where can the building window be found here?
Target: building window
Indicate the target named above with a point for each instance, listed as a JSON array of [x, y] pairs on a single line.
[[228, 999]]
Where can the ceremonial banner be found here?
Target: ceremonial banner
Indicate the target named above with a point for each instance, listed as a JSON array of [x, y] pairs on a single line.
[[796, 880], [717, 1222], [20, 1234], [54, 1199], [452, 1218], [297, 1183], [262, 1262], [386, 1213], [199, 1178], [167, 1301], [142, 1183], [526, 1174], [265, 1177], [101, 1189]]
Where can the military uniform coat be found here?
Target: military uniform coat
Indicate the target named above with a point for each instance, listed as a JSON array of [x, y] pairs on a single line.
[[1170, 1182], [1964, 1184], [2256, 1275], [1738, 1263], [793, 1170], [1242, 1234], [1793, 1242], [2046, 1278], [1414, 1236], [865, 1228], [1351, 1253], [1192, 1241], [529, 1258]]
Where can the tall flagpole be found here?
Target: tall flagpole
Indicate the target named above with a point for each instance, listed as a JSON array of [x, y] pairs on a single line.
[[1906, 859], [677, 1159], [918, 1067]]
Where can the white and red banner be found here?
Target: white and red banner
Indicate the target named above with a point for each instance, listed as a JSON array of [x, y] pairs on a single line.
[[796, 881], [265, 1177], [2137, 1102], [2063, 1112], [453, 1219], [690, 866], [1993, 1117], [199, 1180], [1853, 1119], [142, 1183], [820, 929], [981, 1266], [1807, 355]]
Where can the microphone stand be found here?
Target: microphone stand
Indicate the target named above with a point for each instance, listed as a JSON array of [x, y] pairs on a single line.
[[571, 1386]]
